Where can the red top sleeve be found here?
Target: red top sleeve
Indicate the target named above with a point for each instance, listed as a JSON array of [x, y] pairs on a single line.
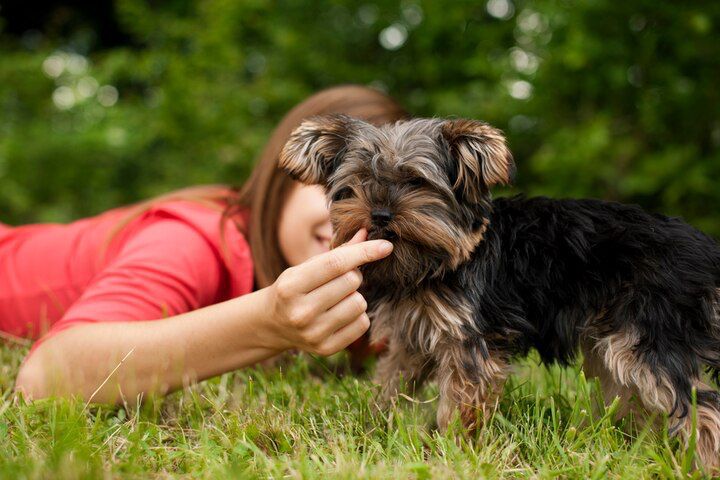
[[167, 268]]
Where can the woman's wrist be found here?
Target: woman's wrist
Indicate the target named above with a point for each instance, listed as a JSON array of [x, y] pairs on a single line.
[[264, 329]]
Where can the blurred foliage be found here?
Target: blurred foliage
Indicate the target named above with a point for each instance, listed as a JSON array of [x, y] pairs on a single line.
[[616, 100]]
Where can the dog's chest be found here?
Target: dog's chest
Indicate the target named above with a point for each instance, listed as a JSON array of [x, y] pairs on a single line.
[[421, 321]]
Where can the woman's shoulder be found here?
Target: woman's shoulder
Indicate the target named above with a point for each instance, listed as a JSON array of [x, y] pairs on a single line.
[[224, 233], [209, 218]]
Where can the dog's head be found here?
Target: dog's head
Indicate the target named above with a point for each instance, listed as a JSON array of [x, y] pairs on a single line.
[[423, 184]]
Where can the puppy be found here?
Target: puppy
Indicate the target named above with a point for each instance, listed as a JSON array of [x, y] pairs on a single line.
[[473, 282]]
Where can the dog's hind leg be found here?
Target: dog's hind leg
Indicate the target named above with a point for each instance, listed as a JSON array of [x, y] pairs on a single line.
[[594, 367], [633, 367], [470, 383]]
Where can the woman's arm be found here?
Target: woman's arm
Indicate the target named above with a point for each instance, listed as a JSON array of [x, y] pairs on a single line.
[[313, 307], [157, 356]]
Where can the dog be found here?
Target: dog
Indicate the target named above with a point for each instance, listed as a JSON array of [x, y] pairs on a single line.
[[475, 282]]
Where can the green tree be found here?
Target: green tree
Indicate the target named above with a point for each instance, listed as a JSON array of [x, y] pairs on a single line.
[[598, 98]]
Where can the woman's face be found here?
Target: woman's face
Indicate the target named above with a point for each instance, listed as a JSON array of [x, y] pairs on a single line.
[[304, 229]]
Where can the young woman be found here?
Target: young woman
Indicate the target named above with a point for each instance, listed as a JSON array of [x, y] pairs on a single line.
[[147, 298]]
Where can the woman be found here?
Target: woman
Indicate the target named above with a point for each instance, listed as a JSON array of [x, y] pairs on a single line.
[[235, 277]]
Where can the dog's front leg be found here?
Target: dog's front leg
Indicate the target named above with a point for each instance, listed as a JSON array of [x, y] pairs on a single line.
[[470, 383], [398, 366]]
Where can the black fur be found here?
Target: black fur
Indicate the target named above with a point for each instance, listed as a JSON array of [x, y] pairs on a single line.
[[547, 267]]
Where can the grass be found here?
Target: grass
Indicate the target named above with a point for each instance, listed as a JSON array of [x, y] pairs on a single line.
[[307, 420]]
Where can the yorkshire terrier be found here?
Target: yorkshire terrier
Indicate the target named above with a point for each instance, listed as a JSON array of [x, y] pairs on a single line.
[[474, 282]]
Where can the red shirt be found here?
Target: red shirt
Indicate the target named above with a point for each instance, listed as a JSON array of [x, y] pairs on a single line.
[[167, 261]]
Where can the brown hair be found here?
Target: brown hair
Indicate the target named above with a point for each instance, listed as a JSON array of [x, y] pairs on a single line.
[[263, 194]]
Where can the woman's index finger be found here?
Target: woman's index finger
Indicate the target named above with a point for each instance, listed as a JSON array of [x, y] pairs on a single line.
[[323, 268]]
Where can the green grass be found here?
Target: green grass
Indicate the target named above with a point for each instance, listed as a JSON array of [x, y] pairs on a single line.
[[307, 420]]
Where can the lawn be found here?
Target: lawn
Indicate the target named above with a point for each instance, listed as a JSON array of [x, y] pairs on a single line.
[[306, 419]]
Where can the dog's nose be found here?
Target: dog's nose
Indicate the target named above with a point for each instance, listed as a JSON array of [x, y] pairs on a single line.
[[381, 216]]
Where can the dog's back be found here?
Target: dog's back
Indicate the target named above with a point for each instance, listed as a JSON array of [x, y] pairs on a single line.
[[567, 262]]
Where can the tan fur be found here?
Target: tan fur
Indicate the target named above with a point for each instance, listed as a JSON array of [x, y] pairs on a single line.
[[619, 357], [426, 325], [482, 152], [473, 397], [471, 241], [593, 366], [398, 365], [412, 226], [345, 154], [708, 436], [313, 145], [623, 374], [424, 320]]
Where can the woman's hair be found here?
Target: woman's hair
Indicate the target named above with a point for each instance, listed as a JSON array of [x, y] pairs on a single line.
[[264, 193]]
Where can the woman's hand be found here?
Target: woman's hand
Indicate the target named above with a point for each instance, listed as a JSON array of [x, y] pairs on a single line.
[[315, 306]]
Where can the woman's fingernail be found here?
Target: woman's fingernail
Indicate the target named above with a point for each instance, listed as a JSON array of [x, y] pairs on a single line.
[[385, 247]]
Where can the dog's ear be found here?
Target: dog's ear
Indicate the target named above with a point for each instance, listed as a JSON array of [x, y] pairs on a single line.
[[482, 156], [316, 147]]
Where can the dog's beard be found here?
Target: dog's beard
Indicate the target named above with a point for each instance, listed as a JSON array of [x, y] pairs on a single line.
[[424, 246]]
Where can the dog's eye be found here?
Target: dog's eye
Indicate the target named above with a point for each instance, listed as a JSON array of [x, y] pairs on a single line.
[[342, 194], [416, 182]]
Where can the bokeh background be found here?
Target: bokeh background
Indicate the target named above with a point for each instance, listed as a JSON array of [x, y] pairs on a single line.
[[106, 102]]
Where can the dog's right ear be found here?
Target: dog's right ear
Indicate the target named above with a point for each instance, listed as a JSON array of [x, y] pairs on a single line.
[[316, 147]]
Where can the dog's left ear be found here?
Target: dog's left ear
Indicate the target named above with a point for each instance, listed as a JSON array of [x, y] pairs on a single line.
[[315, 148], [483, 158]]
